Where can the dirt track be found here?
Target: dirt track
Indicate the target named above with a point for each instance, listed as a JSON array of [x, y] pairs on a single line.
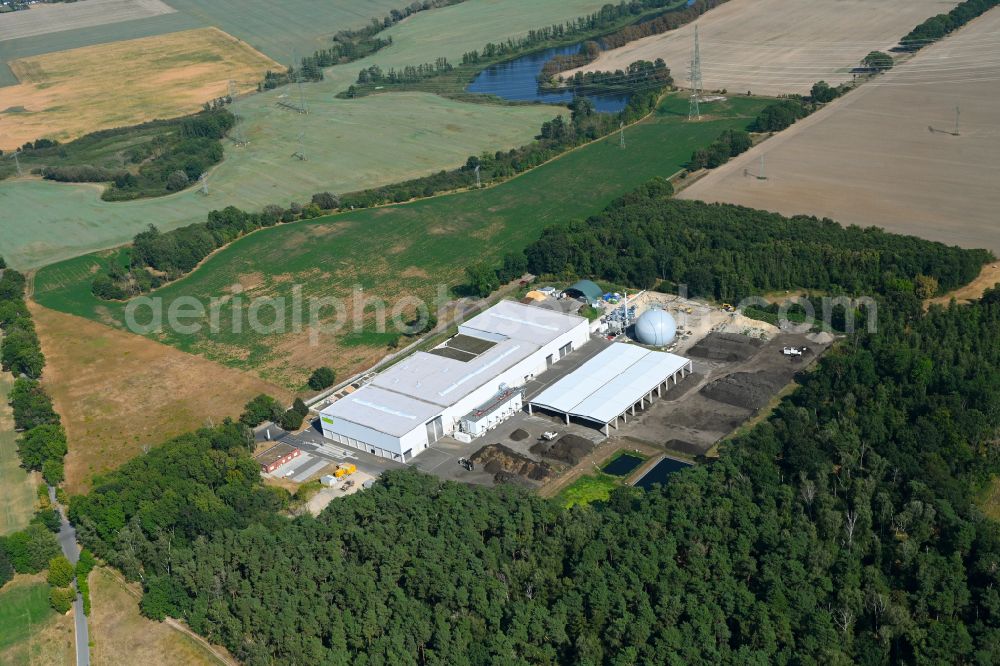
[[779, 46], [871, 159]]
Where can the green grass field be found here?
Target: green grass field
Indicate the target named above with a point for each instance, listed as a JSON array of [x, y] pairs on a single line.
[[350, 144], [17, 498], [21, 606], [405, 249], [416, 134]]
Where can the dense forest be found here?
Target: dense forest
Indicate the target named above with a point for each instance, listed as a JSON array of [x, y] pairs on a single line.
[[728, 252], [842, 530]]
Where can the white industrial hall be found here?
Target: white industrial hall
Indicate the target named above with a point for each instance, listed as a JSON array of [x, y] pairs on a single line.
[[610, 386], [464, 386]]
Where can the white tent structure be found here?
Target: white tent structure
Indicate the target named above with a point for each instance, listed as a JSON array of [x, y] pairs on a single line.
[[610, 385]]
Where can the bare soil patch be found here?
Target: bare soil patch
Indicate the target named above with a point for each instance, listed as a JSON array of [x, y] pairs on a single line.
[[118, 393], [728, 347], [725, 392], [748, 390], [69, 93], [519, 435], [772, 47], [879, 155], [569, 449], [502, 462]]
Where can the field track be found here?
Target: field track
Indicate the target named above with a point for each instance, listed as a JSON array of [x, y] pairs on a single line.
[[775, 47], [871, 158]]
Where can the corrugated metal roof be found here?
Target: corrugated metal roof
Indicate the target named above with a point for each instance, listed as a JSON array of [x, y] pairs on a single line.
[[384, 411], [527, 323], [420, 387], [610, 383]]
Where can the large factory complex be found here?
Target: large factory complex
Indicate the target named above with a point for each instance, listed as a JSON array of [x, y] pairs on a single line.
[[477, 379]]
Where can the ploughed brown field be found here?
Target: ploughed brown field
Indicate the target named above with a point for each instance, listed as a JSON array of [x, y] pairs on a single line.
[[774, 47], [885, 154]]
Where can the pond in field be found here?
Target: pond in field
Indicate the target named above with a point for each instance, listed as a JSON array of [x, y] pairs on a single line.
[[661, 473], [517, 80], [622, 465]]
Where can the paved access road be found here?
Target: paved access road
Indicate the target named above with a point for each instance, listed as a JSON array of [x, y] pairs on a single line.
[[70, 548]]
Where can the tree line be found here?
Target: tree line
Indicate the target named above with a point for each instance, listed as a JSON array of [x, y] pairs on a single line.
[[42, 443], [639, 75], [35, 549], [671, 19], [173, 157], [729, 252], [348, 46], [942, 25], [156, 258], [607, 17], [375, 75], [729, 144], [840, 530], [41, 446]]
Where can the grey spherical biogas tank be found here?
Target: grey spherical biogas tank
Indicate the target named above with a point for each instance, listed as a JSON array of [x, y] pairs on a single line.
[[656, 328]]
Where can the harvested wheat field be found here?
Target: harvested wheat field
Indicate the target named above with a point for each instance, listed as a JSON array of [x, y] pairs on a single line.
[[774, 47], [118, 393], [871, 157], [70, 93], [49, 18]]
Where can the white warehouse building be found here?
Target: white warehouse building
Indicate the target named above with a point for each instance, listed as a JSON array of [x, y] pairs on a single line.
[[471, 379]]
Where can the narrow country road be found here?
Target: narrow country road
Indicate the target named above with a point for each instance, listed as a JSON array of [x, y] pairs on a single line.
[[67, 541]]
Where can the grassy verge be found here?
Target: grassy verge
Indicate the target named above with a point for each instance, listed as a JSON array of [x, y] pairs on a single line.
[[30, 631]]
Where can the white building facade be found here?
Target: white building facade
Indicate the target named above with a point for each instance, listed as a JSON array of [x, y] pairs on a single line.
[[425, 397]]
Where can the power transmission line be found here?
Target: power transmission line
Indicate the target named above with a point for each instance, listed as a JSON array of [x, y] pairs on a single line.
[[696, 82], [237, 135]]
